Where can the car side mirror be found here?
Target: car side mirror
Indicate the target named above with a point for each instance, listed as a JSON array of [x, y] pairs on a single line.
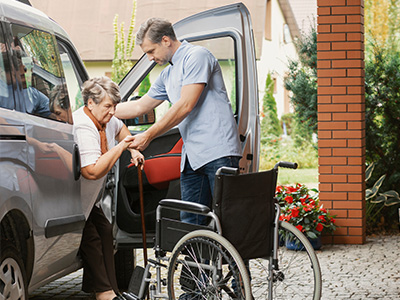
[[146, 119]]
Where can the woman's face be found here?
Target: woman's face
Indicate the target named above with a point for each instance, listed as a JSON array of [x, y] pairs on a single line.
[[103, 111]]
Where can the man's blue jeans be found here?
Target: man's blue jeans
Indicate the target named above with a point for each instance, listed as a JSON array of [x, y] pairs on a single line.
[[198, 186]]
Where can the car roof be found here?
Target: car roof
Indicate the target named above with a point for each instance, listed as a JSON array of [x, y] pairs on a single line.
[[23, 14]]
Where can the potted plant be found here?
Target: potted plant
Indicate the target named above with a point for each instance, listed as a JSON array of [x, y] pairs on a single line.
[[300, 206]]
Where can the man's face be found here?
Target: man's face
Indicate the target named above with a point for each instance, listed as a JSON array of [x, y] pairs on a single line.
[[103, 111], [160, 53]]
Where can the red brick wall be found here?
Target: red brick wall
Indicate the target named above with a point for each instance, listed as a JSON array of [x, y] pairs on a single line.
[[341, 116]]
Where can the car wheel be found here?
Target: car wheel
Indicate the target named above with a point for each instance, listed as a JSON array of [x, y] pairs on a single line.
[[124, 265], [13, 283]]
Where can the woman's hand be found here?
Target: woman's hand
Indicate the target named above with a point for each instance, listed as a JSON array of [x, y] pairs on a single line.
[[136, 157]]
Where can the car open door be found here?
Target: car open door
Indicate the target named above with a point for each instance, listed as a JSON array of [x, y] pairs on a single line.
[[227, 33]]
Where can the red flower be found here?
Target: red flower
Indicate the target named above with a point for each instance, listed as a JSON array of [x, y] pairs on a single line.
[[299, 227], [322, 218], [319, 227], [295, 212], [279, 189], [323, 210], [289, 199]]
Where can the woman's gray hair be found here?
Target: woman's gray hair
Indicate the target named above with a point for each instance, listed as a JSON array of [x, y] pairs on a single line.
[[98, 87], [154, 29]]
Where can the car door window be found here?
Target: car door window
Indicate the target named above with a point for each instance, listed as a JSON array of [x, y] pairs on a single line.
[[222, 49], [73, 80], [40, 78]]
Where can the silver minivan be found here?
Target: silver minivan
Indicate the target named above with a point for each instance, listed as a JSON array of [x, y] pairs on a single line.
[[42, 214]]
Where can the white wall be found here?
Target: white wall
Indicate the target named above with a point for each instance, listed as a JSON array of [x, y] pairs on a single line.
[[274, 57]]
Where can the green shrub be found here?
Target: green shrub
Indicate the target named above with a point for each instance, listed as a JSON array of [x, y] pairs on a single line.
[[275, 149], [302, 81], [382, 93], [381, 207], [270, 124], [121, 63], [144, 86], [288, 120]]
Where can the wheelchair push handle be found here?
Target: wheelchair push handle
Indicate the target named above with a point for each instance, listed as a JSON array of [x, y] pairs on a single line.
[[227, 170], [286, 164]]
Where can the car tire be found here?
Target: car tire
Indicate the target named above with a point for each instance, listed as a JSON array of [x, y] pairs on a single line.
[[12, 273], [124, 265]]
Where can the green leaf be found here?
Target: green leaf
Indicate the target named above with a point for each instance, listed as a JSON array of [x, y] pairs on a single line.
[[312, 235], [379, 199], [391, 194], [392, 201], [369, 171], [379, 182], [370, 193]]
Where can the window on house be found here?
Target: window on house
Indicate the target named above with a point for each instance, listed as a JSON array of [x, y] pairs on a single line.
[[275, 85], [286, 34], [268, 21]]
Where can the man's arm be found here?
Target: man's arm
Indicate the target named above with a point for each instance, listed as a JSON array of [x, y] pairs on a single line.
[[132, 109], [190, 95]]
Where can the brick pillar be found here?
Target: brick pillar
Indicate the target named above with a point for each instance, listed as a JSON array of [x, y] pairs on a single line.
[[341, 116]]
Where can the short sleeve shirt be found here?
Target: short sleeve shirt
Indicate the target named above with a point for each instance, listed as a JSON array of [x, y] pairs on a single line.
[[210, 131]]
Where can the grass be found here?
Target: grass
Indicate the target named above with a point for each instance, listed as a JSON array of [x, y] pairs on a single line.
[[309, 177]]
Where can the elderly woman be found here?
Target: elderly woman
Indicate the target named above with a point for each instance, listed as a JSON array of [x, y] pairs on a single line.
[[96, 130]]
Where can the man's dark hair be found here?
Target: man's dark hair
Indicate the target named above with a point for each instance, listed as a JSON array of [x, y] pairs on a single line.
[[154, 29]]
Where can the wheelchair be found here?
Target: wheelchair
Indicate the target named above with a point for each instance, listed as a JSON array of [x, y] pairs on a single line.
[[238, 255]]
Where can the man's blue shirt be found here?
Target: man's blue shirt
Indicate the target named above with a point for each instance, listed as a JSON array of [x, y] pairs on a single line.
[[209, 132]]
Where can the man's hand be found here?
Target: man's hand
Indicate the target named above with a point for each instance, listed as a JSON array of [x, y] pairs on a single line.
[[138, 141]]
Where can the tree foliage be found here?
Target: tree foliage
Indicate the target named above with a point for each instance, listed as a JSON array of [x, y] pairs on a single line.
[[122, 63], [144, 86], [270, 123], [382, 94], [382, 24], [302, 81]]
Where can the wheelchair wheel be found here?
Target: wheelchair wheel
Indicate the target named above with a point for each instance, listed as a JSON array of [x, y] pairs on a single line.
[[298, 275], [204, 265]]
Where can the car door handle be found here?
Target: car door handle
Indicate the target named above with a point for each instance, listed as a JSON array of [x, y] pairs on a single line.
[[76, 162], [12, 133]]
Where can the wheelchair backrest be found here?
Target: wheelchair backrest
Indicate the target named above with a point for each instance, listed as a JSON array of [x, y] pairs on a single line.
[[245, 206]]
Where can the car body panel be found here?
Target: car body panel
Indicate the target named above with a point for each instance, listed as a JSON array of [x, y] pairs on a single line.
[[42, 188]]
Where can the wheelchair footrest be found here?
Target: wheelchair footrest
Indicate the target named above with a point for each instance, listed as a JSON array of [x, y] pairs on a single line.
[[137, 280], [129, 296]]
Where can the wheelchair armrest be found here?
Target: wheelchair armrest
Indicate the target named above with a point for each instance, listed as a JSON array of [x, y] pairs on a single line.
[[181, 205]]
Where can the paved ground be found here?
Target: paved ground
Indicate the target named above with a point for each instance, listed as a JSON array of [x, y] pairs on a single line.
[[370, 271]]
